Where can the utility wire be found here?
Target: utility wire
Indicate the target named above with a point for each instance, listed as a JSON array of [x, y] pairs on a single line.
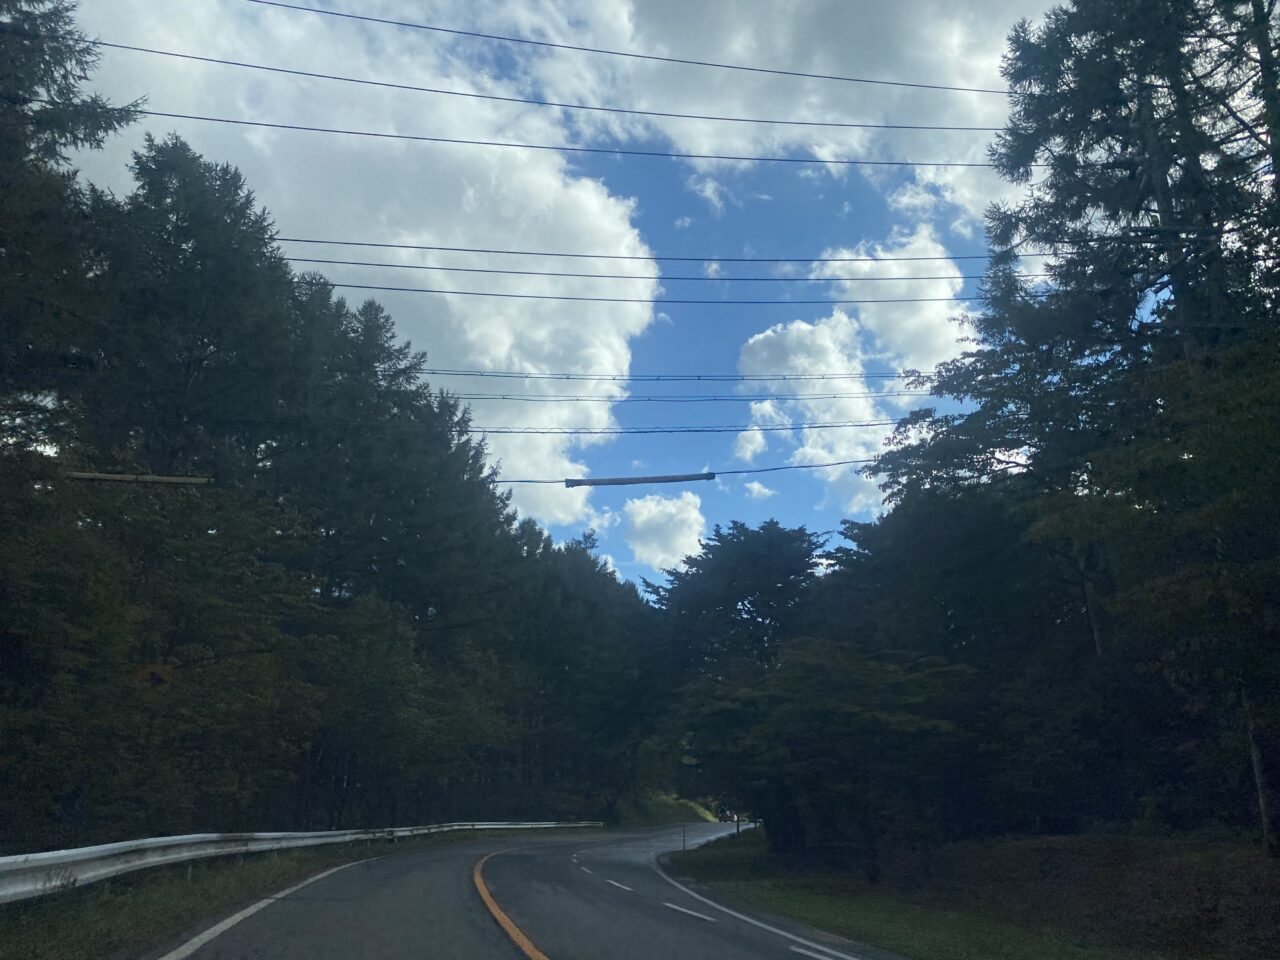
[[560, 148], [684, 398], [625, 53], [795, 466], [707, 428], [662, 377], [472, 429], [726, 473], [627, 276], [658, 300], [637, 257], [529, 101]]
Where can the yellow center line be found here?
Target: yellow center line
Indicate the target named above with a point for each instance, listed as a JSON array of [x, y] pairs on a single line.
[[518, 937]]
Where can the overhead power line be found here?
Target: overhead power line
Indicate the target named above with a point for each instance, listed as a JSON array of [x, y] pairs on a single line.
[[621, 481], [631, 276], [661, 377], [795, 466], [684, 398], [656, 58], [647, 257], [529, 101], [559, 148], [652, 300], [708, 428]]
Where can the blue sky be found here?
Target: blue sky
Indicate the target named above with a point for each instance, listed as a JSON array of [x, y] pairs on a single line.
[[322, 186]]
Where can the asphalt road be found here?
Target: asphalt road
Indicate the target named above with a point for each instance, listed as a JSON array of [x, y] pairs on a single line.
[[585, 895]]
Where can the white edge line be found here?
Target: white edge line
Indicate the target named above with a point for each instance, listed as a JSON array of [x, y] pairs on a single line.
[[692, 913], [620, 886], [584, 869], [809, 953], [827, 951], [198, 941]]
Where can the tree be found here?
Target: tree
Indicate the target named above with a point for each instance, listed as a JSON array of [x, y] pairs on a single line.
[[1113, 389], [44, 261], [736, 597]]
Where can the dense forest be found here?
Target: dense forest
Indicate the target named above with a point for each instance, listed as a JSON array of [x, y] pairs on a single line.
[[1068, 617], [348, 625]]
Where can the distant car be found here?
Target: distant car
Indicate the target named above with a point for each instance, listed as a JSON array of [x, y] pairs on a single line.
[[725, 817]]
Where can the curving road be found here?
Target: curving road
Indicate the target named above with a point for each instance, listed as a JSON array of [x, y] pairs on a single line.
[[585, 895]]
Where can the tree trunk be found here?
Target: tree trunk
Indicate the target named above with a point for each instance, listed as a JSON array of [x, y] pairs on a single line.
[[1262, 722], [1092, 562], [1260, 34]]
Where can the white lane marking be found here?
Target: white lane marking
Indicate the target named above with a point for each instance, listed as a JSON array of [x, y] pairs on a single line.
[[583, 869], [574, 858], [692, 913], [198, 941], [620, 886], [810, 953], [827, 951]]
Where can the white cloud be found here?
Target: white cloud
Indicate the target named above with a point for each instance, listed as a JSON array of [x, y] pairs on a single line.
[[712, 268], [887, 336], [914, 335], [914, 198], [758, 491], [749, 444], [710, 190], [662, 531], [938, 42], [831, 345], [683, 223]]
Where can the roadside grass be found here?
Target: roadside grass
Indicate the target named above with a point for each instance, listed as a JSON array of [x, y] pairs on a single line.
[[129, 915], [657, 809], [919, 927]]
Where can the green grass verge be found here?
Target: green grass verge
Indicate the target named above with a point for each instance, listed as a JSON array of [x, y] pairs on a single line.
[[740, 869], [129, 915], [656, 809]]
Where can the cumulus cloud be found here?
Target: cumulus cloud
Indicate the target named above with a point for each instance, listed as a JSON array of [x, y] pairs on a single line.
[[758, 491], [914, 335], [940, 42], [683, 223], [885, 336], [662, 531], [710, 190], [749, 444], [832, 345]]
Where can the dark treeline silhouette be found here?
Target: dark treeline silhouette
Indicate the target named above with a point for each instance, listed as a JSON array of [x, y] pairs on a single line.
[[348, 626], [1070, 616], [1067, 618]]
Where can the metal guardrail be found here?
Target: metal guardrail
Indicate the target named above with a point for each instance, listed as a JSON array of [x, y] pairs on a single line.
[[35, 874]]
